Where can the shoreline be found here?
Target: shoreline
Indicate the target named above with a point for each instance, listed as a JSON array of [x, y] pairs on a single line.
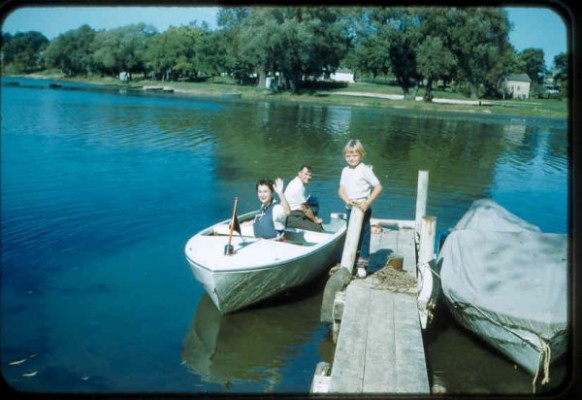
[[345, 97]]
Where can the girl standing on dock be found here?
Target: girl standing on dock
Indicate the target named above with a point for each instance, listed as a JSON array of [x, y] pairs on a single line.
[[359, 187]]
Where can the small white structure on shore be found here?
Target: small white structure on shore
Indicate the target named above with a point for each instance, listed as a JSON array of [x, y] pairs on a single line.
[[517, 85], [342, 75]]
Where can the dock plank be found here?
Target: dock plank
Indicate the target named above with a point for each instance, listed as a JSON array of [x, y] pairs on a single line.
[[379, 347], [393, 241], [410, 361], [380, 344], [350, 357]]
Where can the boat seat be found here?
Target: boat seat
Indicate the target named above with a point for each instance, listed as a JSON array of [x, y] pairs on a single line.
[[304, 237], [292, 235]]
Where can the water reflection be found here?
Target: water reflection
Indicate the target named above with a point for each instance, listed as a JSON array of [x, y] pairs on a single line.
[[252, 346], [89, 176]]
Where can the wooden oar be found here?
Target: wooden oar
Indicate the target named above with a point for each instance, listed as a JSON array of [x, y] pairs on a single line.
[[229, 248]]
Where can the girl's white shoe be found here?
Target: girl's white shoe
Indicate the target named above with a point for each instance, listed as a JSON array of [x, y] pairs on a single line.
[[361, 273]]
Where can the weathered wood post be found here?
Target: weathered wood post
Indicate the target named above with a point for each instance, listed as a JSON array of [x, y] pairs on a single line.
[[426, 262], [421, 198], [352, 239], [339, 280], [321, 378], [427, 239]]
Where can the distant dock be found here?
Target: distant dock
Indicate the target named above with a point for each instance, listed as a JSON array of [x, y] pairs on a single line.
[[377, 322]]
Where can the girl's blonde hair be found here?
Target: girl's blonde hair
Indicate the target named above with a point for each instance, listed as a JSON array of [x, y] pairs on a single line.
[[356, 146]]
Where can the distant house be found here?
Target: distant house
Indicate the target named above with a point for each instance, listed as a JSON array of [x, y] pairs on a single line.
[[342, 75], [517, 86]]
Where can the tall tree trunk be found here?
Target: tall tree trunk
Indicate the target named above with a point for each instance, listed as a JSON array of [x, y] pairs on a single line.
[[262, 78], [283, 81], [294, 84], [428, 91]]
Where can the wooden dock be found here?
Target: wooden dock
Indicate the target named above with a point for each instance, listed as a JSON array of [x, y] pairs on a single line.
[[376, 323]]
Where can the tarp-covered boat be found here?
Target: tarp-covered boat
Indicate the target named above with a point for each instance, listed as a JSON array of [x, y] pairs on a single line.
[[507, 281]]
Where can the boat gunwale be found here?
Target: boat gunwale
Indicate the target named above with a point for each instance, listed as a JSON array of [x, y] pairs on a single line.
[[331, 240]]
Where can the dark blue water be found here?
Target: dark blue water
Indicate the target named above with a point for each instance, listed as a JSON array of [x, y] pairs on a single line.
[[101, 190]]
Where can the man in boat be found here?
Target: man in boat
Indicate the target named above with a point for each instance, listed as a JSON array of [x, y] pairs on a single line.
[[302, 214], [270, 221]]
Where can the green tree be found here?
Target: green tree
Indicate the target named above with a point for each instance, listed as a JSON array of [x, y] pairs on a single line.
[[533, 60], [396, 30], [172, 54], [467, 45], [231, 23], [404, 37], [369, 56], [434, 61], [161, 54], [561, 71], [515, 63], [256, 48], [294, 41], [212, 53], [480, 42], [71, 52], [122, 49], [22, 52]]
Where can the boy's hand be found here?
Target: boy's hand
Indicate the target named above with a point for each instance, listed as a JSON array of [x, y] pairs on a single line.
[[361, 204]]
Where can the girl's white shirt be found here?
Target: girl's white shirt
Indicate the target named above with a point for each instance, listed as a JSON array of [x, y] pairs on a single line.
[[358, 182]]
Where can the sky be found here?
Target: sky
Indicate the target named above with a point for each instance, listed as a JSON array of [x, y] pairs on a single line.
[[533, 27]]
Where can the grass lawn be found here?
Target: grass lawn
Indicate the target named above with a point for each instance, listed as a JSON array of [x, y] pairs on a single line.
[[224, 86]]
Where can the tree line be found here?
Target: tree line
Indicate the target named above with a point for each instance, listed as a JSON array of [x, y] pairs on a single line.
[[415, 46]]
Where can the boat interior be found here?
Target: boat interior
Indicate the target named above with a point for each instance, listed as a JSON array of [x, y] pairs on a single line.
[[292, 235]]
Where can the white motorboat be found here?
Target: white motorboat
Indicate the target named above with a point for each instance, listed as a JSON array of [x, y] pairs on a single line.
[[259, 268]]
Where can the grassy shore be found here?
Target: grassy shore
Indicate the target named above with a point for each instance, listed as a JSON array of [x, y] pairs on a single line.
[[356, 94]]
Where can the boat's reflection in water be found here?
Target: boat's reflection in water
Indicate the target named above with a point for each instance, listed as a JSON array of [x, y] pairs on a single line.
[[254, 345]]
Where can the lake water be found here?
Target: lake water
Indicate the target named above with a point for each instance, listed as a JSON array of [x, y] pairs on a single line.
[[101, 190]]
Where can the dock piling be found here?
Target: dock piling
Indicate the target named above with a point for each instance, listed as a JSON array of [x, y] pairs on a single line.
[[340, 279], [421, 198], [352, 239]]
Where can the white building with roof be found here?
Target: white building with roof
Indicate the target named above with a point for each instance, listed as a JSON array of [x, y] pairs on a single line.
[[518, 85]]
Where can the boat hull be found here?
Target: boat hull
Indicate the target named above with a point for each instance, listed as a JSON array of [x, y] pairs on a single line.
[[520, 346], [241, 284], [507, 282]]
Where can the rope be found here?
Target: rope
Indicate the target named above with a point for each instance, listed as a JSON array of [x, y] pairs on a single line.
[[427, 264], [545, 357], [397, 281], [547, 351]]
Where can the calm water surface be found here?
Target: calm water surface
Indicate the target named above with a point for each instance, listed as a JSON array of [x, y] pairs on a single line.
[[101, 190]]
